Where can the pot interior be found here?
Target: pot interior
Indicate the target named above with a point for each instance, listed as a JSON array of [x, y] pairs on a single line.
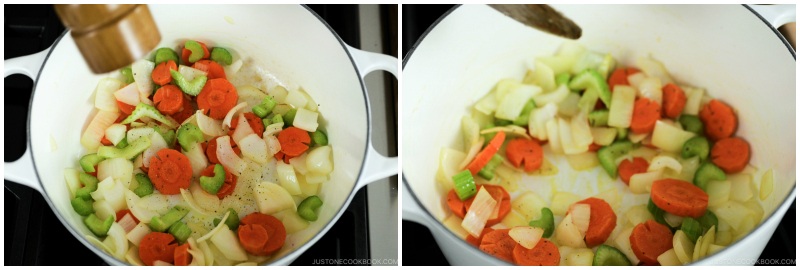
[[734, 55], [288, 42]]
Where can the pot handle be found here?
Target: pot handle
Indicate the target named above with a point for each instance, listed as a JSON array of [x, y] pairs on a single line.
[[376, 166], [22, 171], [776, 15], [411, 209]]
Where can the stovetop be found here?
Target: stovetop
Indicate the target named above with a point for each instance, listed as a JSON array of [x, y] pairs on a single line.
[[419, 247], [33, 234]]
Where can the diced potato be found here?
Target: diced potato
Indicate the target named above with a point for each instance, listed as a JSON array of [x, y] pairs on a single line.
[[669, 138], [529, 205], [603, 135], [623, 243], [514, 219], [734, 213], [568, 234], [767, 184], [641, 183], [740, 187], [694, 98], [583, 161], [723, 238], [718, 192], [669, 258], [562, 201], [637, 214], [580, 257], [453, 223]]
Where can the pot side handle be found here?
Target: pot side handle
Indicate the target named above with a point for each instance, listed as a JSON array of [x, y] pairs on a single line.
[[376, 166], [776, 15], [21, 170]]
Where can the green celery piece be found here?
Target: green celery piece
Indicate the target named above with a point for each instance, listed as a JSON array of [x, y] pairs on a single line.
[[168, 136], [522, 119], [598, 118], [307, 209], [260, 111], [562, 78], [696, 146], [89, 161], [622, 133], [658, 213], [122, 144], [269, 103], [464, 185], [127, 73], [188, 135], [214, 183], [145, 186], [691, 123], [82, 206], [196, 49], [608, 154], [606, 66], [221, 56], [488, 171], [89, 185], [181, 231], [99, 227], [587, 101], [165, 54], [592, 80], [232, 222], [162, 223], [706, 173], [288, 118], [545, 222], [609, 256], [277, 119], [192, 88], [144, 110], [691, 228], [319, 138], [501, 123], [129, 152], [266, 122], [708, 220]]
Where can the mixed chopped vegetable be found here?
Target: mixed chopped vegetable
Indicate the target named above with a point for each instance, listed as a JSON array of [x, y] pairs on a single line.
[[686, 188], [182, 167]]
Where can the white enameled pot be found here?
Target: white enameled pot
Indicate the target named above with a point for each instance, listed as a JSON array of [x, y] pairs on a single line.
[[289, 41], [730, 50]]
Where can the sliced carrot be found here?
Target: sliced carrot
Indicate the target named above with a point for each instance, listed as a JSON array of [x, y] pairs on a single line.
[[185, 53], [500, 195], [731, 154], [168, 99], [628, 168], [182, 256], [456, 205], [679, 198], [253, 238], [255, 123], [674, 100], [594, 147], [645, 114], [275, 230], [121, 214], [105, 141], [620, 77], [718, 119], [186, 111], [545, 253], [211, 68], [486, 154], [161, 74], [521, 151], [157, 246], [477, 241], [649, 240], [499, 244], [602, 221], [170, 171], [294, 141], [227, 187], [284, 157], [125, 108], [217, 98]]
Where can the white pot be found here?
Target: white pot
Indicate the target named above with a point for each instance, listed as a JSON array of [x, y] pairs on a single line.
[[292, 43], [727, 49]]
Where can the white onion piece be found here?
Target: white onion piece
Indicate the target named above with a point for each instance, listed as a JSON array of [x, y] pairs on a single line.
[[641, 183], [136, 133], [623, 244], [287, 178], [636, 79], [526, 236], [97, 129], [228, 158], [209, 126], [553, 97], [104, 94], [190, 201], [320, 161], [487, 104], [650, 88], [71, 177], [568, 234], [190, 73], [273, 145], [273, 129], [128, 95], [228, 244], [115, 133], [603, 135], [568, 136], [581, 130], [117, 235], [251, 95], [242, 130], [272, 198], [471, 153], [104, 185], [142, 70], [233, 68], [684, 248], [215, 229], [198, 257], [279, 93], [621, 109], [138, 233], [311, 105], [132, 256], [514, 101], [229, 116], [581, 213], [161, 263], [661, 161], [673, 220], [537, 121], [553, 136], [299, 163], [144, 215], [120, 169], [296, 99], [145, 98], [102, 209], [94, 241], [306, 120], [669, 258], [156, 144], [653, 68], [510, 129], [197, 158], [207, 253], [313, 178], [694, 99], [669, 138], [254, 148], [479, 212]]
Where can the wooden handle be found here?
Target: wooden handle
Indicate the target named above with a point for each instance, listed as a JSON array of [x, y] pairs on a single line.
[[110, 36]]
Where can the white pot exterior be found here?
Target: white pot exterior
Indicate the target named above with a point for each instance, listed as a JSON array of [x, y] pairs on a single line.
[[289, 41], [726, 49]]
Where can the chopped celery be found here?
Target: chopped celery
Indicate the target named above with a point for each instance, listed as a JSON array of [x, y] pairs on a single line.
[[607, 155], [606, 66], [488, 171], [82, 206], [622, 133], [168, 136], [545, 222], [122, 144], [129, 152], [464, 185], [165, 54], [706, 173], [277, 119], [232, 222], [501, 122], [190, 88], [127, 73], [145, 186], [99, 227], [162, 223], [144, 110], [658, 213], [288, 118], [691, 228], [592, 80], [89, 161], [562, 78], [181, 231], [696, 146], [522, 119], [691, 123], [89, 185], [260, 111], [269, 103], [214, 183], [708, 220], [196, 49], [609, 256], [221, 56], [266, 122], [307, 209], [598, 118], [319, 138], [188, 135]]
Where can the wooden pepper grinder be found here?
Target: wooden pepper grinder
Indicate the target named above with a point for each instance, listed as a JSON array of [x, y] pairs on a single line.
[[110, 36]]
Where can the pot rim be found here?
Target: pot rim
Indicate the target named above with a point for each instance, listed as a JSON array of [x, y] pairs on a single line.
[[282, 260], [789, 198]]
